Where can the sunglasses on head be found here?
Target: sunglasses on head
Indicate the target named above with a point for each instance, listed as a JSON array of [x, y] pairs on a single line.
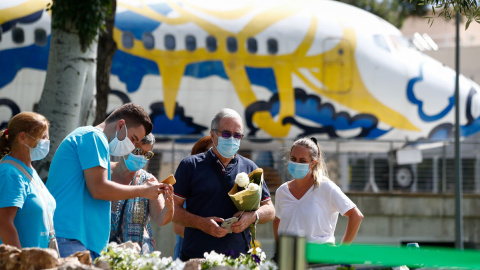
[[139, 151], [227, 134]]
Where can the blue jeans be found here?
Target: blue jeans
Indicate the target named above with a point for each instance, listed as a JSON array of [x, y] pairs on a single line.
[[178, 247], [68, 247]]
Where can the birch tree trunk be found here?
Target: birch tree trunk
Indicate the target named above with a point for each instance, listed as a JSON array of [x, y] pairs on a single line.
[[106, 50], [68, 97]]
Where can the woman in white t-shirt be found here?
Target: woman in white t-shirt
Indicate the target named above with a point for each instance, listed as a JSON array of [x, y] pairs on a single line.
[[310, 203]]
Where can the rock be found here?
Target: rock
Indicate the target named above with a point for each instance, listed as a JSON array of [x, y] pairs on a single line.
[[37, 258], [76, 265], [83, 257], [131, 245], [12, 258], [77, 261], [222, 267], [9, 257], [194, 264], [103, 265]]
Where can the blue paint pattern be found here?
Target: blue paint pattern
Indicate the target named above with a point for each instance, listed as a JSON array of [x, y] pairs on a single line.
[[13, 60], [325, 115], [162, 8], [135, 23], [413, 99], [6, 26], [131, 69], [205, 69], [263, 77]]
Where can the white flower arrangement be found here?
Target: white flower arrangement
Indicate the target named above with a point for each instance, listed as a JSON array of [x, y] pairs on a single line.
[[254, 260], [252, 187], [123, 257], [126, 257], [242, 179], [214, 258], [248, 198]]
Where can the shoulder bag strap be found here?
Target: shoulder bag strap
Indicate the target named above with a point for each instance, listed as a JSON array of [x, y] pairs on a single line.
[[42, 195], [119, 228]]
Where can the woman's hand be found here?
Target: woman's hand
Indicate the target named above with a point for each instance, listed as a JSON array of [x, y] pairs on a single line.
[[8, 232], [355, 218], [162, 208], [168, 195]]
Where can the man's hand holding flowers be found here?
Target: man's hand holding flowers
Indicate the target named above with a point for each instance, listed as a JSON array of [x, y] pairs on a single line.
[[246, 220]]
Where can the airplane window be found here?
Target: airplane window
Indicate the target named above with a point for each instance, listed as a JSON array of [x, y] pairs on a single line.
[[127, 39], [40, 37], [211, 44], [169, 42], [272, 46], [381, 42], [400, 42], [232, 44], [18, 35], [252, 45], [190, 43], [148, 41]]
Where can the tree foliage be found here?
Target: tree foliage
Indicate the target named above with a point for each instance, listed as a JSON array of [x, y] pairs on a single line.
[[393, 11], [85, 16], [467, 8]]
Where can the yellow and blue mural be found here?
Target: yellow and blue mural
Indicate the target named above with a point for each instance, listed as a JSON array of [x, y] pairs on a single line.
[[291, 68]]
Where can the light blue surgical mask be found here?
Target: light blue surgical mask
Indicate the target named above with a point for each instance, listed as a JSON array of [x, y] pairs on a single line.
[[41, 151], [298, 170], [227, 147], [135, 162]]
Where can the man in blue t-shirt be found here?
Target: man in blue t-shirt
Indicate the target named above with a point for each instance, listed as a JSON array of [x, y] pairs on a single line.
[[79, 179], [203, 181]]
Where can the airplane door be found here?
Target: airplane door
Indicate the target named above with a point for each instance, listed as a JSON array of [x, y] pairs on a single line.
[[337, 65]]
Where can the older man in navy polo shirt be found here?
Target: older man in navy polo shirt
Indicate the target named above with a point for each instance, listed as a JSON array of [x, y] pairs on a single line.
[[203, 181]]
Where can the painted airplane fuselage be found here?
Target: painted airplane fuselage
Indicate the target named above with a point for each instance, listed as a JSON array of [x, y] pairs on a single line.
[[290, 68]]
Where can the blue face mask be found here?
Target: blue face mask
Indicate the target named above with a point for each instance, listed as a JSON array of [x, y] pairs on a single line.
[[227, 147], [135, 162], [41, 151], [298, 170]]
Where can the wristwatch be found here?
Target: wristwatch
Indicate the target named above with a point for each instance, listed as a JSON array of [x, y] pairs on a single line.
[[258, 218]]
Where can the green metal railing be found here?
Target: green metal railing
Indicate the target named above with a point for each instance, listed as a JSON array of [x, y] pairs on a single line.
[[295, 253]]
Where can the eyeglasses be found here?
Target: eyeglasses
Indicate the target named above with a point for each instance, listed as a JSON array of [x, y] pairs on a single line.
[[227, 134], [36, 138], [139, 151]]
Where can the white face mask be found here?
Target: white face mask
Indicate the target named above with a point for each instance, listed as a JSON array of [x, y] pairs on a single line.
[[121, 148]]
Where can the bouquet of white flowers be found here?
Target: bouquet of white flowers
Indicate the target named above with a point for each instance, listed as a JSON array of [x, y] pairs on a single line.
[[254, 260], [246, 194], [127, 256]]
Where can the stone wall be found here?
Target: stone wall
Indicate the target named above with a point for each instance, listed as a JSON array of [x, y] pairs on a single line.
[[394, 219]]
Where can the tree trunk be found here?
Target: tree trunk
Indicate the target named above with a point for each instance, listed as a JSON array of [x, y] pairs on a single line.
[[68, 97], [106, 49]]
